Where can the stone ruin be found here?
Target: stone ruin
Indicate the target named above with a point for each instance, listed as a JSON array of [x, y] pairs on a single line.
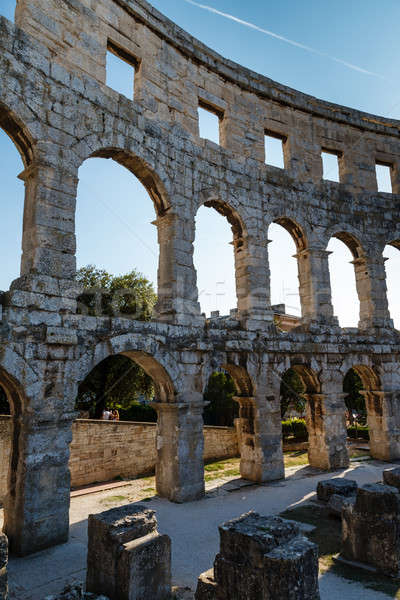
[[3, 567], [57, 109], [127, 558], [392, 477], [261, 558], [371, 528], [336, 493]]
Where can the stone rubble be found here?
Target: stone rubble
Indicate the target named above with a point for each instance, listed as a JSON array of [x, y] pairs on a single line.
[[261, 558]]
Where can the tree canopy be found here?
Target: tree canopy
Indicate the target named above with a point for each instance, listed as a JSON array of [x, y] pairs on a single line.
[[130, 295], [222, 409], [292, 390], [117, 382], [354, 400]]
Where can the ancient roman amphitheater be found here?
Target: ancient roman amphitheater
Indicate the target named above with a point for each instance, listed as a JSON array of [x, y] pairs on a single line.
[[56, 107]]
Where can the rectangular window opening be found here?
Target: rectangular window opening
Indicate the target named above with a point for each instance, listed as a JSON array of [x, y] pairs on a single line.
[[384, 177], [330, 165], [274, 152], [209, 122], [120, 70]]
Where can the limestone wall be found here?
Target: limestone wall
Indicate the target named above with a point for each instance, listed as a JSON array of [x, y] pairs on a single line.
[[101, 450]]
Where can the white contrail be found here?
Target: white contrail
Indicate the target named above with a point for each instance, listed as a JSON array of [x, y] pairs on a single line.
[[283, 39]]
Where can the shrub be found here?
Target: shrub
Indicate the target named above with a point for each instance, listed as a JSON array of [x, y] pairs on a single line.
[[295, 428], [360, 432]]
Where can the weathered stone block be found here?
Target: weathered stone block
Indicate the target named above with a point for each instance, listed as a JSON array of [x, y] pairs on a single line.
[[206, 586], [371, 528], [261, 558], [338, 486], [144, 569], [336, 503], [392, 477], [135, 560]]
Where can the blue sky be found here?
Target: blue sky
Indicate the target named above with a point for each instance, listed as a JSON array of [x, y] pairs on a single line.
[[114, 211]]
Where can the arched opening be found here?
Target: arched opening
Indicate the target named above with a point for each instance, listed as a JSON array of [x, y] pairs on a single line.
[[218, 242], [363, 389], [12, 193], [220, 438], [121, 401], [345, 269], [301, 414], [356, 414], [119, 202], [392, 266], [11, 476], [287, 241]]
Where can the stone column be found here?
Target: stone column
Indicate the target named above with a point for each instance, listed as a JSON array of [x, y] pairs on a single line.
[[260, 440], [48, 242], [177, 290], [180, 449], [326, 425], [372, 292], [315, 285], [36, 514], [252, 282], [384, 423]]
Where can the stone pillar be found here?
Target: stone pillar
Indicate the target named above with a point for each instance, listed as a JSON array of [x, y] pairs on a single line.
[[36, 508], [127, 558], [315, 286], [261, 558], [252, 282], [260, 441], [177, 290], [180, 446], [372, 292], [48, 243], [326, 425], [383, 423]]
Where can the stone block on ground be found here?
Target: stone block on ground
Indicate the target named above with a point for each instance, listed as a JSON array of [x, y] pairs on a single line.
[[3, 567], [338, 486], [127, 558], [371, 528], [392, 477], [261, 558], [336, 503]]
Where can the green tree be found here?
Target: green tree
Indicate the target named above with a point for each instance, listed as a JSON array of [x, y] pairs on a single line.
[[130, 295], [292, 390], [222, 409], [354, 400], [117, 382]]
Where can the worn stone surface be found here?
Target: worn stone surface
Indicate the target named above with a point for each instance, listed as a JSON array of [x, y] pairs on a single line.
[[337, 502], [371, 528], [3, 567], [56, 107], [127, 558], [338, 486], [392, 477], [75, 592], [261, 558]]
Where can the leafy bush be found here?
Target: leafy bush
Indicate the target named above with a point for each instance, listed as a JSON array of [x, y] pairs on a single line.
[[295, 428], [142, 413], [360, 432]]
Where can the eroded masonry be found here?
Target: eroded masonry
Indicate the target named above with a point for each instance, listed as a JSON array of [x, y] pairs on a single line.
[[57, 109]]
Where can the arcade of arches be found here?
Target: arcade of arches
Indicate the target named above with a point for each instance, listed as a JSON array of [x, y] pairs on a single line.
[[66, 114]]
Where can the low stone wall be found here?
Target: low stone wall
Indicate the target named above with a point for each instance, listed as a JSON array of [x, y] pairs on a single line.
[[103, 450]]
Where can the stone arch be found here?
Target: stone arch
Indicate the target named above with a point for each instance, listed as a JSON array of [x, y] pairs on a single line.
[[391, 258], [141, 169], [147, 352], [18, 133], [374, 404], [296, 231]]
